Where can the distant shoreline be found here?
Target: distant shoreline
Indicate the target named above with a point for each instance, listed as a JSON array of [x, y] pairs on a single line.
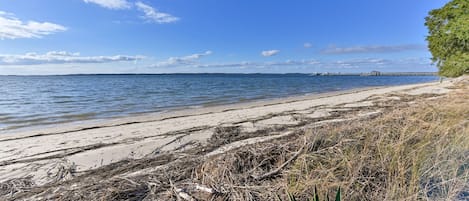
[[313, 73], [376, 73]]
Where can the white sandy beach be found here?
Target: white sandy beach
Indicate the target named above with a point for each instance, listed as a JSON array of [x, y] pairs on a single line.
[[42, 153]]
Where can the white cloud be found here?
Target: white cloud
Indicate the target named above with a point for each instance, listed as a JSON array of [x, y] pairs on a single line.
[[182, 61], [111, 4], [246, 64], [416, 60], [153, 15], [360, 64], [269, 53], [60, 57], [372, 49], [13, 28], [393, 65], [307, 45]]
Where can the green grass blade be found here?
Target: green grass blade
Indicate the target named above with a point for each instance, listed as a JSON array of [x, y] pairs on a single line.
[[316, 194], [278, 197], [291, 197], [337, 196]]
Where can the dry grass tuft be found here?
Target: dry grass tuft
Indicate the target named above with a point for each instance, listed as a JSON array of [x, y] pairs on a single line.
[[409, 154], [234, 174]]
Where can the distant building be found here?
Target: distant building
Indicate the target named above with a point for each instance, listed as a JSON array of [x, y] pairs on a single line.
[[375, 73], [315, 74]]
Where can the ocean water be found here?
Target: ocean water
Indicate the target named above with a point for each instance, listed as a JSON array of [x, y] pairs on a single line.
[[29, 101]]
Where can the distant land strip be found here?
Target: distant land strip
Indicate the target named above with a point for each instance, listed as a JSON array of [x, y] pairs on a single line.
[[377, 73], [372, 73]]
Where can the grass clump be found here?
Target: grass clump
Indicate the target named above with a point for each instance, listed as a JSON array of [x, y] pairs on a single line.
[[408, 154], [314, 197]]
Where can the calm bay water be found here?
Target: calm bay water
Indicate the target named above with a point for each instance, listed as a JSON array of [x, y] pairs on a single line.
[[27, 101]]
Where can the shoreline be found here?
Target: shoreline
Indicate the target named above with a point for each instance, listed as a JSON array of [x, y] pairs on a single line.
[[182, 111], [178, 112], [39, 154], [77, 105]]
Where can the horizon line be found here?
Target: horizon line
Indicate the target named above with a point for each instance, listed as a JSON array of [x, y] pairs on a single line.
[[329, 73]]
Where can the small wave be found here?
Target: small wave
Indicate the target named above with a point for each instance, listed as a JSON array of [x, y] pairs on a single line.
[[5, 118], [78, 116], [14, 121], [214, 102], [64, 101], [195, 106], [46, 119], [62, 97]]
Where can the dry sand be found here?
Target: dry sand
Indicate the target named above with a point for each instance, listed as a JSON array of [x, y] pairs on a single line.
[[43, 153]]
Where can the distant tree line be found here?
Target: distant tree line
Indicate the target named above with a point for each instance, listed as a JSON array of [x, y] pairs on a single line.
[[448, 38]]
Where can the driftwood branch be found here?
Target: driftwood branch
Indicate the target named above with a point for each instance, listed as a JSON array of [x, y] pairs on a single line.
[[205, 189], [180, 193]]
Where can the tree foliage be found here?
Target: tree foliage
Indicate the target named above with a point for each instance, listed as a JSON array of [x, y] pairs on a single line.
[[448, 38]]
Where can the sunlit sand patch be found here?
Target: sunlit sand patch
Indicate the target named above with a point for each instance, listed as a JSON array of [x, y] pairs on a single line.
[[319, 113], [279, 120], [359, 104]]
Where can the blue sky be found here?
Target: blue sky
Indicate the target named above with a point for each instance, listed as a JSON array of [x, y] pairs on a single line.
[[227, 36]]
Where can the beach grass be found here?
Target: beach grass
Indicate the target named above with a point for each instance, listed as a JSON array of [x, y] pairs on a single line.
[[409, 154]]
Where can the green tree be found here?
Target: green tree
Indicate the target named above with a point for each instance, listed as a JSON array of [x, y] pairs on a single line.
[[448, 38]]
